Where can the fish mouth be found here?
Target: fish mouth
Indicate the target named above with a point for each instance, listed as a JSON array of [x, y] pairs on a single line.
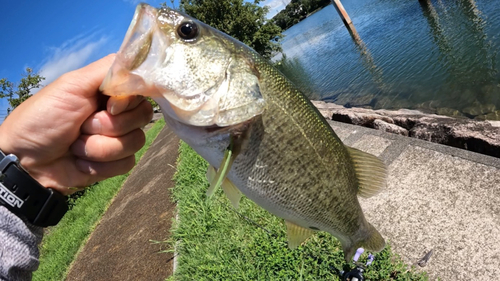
[[126, 75], [134, 71], [139, 36], [152, 62]]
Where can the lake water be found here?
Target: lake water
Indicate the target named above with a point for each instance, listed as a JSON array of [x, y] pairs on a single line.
[[437, 56]]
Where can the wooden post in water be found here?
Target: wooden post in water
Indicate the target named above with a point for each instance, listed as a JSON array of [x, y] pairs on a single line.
[[346, 19], [343, 14]]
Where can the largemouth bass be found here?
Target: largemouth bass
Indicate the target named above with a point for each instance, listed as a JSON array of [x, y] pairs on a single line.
[[261, 136]]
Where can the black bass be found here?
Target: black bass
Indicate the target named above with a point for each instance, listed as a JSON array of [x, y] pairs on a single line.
[[262, 137]]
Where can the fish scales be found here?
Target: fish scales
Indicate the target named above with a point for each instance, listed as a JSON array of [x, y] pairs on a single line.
[[302, 153], [261, 136]]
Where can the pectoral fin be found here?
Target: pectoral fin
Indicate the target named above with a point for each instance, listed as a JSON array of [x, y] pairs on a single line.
[[370, 171], [216, 179], [296, 234], [232, 192]]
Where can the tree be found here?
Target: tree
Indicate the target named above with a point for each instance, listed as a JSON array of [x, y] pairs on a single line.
[[296, 11], [242, 20], [28, 82]]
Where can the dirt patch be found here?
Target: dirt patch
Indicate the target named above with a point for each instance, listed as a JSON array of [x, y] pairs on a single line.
[[120, 248]]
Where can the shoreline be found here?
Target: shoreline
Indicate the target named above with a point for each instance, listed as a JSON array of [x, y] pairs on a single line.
[[470, 134]]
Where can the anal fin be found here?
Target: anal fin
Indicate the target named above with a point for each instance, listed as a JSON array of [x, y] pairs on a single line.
[[296, 234], [370, 171], [369, 239]]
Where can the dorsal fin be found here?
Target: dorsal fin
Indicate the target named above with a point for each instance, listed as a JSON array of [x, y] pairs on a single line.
[[370, 171], [296, 234]]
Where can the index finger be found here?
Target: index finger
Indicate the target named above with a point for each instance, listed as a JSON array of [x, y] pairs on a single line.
[[119, 104]]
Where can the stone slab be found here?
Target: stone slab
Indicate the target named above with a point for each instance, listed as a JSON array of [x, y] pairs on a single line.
[[372, 144]]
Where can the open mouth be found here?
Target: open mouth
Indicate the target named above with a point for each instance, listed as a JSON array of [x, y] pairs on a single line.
[[139, 37], [121, 79]]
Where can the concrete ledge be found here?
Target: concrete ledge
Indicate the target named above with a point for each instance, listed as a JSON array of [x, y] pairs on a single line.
[[438, 198]]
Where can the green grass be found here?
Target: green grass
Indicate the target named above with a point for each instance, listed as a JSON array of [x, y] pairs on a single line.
[[216, 243], [63, 242]]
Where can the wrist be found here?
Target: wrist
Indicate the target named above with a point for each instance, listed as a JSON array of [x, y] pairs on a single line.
[[25, 197], [7, 139], [12, 143]]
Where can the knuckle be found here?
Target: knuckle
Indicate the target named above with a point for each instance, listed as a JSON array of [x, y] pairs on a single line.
[[129, 163], [134, 141], [119, 125], [72, 80], [140, 139], [147, 111], [68, 76]]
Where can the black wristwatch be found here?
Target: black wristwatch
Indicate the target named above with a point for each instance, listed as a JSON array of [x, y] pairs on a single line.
[[24, 196]]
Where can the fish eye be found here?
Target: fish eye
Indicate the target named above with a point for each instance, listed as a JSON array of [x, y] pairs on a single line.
[[187, 30]]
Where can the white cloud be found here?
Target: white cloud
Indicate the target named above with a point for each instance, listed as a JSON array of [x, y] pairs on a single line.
[[275, 6], [133, 2], [71, 55]]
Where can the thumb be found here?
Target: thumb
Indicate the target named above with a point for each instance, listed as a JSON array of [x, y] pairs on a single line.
[[89, 78]]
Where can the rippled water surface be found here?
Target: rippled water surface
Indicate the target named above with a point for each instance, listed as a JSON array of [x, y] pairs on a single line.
[[439, 56]]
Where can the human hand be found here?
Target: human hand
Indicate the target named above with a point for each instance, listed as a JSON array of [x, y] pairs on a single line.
[[63, 138]]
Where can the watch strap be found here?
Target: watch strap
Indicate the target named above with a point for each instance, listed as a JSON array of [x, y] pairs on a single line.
[[23, 195]]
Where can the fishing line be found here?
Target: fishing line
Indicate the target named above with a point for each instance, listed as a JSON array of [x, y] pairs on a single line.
[[247, 218]]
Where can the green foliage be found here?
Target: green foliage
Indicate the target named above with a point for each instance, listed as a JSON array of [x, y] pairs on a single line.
[[22, 90], [73, 198], [214, 242], [152, 102], [63, 242], [296, 11], [245, 21]]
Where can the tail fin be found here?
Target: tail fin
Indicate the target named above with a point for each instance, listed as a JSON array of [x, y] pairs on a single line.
[[370, 240]]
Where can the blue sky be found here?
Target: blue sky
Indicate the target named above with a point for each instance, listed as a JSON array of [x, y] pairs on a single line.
[[54, 37]]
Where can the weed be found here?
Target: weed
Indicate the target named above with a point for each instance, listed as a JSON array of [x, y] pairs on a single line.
[[216, 243]]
